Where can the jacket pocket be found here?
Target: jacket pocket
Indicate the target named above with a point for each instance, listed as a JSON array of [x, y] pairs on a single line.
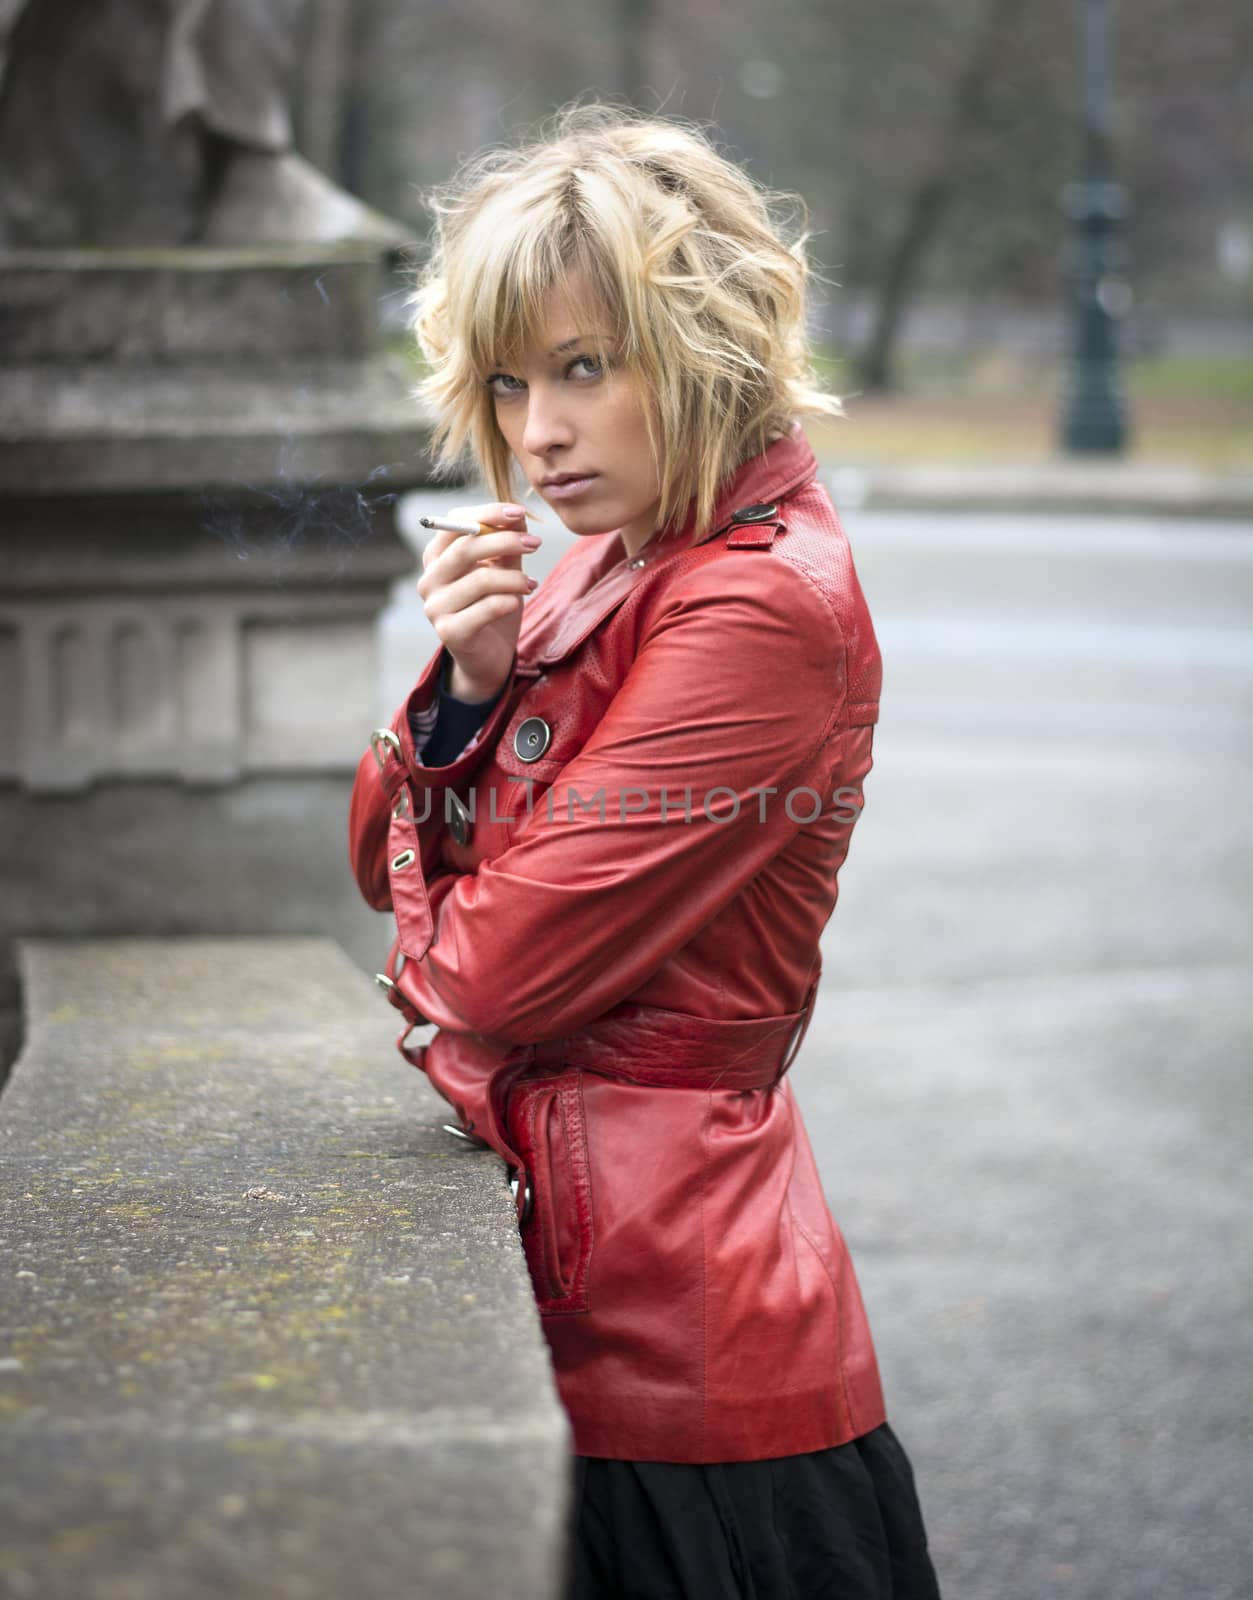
[[549, 1130]]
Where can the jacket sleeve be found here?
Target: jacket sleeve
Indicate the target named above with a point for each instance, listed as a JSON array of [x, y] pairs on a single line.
[[375, 787], [732, 701]]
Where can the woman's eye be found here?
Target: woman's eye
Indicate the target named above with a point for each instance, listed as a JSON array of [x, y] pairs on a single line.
[[584, 368]]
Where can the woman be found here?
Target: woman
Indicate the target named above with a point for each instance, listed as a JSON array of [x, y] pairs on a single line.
[[609, 823]]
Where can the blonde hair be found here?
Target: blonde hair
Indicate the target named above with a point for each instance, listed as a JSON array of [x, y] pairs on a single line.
[[680, 249]]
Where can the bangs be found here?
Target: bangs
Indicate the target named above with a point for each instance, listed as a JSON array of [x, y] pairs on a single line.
[[515, 257]]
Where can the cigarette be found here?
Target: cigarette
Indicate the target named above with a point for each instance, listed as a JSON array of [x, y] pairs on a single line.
[[450, 527], [464, 527]]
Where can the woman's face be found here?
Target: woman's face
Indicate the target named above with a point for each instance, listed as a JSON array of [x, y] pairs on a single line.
[[577, 429]]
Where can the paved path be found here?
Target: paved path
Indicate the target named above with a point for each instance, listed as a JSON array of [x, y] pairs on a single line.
[[1027, 1080]]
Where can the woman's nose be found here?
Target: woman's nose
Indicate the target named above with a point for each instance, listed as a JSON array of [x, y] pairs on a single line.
[[548, 425]]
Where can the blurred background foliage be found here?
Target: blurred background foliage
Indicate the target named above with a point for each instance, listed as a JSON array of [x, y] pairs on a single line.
[[931, 142]]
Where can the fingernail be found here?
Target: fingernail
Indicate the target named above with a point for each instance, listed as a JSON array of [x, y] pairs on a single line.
[[532, 583], [531, 541], [515, 511]]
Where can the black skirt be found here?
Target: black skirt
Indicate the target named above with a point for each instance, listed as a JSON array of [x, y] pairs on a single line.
[[837, 1524]]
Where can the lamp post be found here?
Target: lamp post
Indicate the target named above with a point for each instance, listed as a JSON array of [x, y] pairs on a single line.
[[1094, 416]]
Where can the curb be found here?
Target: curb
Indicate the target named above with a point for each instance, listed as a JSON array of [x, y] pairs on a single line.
[[1063, 486]]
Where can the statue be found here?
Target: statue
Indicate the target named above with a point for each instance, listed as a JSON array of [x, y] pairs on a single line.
[[160, 122]]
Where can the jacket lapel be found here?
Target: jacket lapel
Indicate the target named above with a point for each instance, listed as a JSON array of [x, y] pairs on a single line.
[[565, 613], [565, 630]]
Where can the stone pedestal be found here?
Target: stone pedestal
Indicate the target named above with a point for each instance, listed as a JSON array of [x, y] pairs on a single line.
[[200, 453]]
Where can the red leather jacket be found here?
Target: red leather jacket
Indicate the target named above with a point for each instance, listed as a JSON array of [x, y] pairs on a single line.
[[621, 954]]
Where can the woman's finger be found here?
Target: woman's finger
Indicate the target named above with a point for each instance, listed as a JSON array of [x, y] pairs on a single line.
[[457, 629], [465, 554], [465, 550], [477, 585]]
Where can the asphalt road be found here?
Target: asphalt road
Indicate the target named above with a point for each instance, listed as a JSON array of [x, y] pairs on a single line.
[[1027, 1081]]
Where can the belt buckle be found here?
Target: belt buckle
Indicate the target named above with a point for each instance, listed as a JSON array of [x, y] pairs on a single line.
[[794, 1041], [514, 1183]]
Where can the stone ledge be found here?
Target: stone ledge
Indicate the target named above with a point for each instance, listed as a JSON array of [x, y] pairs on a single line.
[[93, 429], [267, 1330], [185, 304], [170, 370]]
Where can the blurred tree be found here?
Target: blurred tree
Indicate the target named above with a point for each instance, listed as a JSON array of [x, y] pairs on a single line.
[[930, 142], [1184, 93], [932, 191]]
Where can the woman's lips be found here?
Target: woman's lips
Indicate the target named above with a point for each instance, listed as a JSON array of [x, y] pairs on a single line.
[[569, 489]]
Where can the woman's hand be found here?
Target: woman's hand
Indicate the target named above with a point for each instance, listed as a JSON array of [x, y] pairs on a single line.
[[472, 586]]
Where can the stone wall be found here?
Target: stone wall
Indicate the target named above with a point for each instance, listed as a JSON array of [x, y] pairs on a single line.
[[200, 457]]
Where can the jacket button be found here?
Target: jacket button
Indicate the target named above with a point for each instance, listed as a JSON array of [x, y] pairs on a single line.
[[532, 739], [459, 821], [756, 513]]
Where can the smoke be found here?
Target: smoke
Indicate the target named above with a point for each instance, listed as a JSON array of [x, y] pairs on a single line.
[[278, 524], [289, 522]]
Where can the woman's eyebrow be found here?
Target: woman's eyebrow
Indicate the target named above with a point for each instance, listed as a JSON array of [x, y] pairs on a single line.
[[569, 344], [579, 338]]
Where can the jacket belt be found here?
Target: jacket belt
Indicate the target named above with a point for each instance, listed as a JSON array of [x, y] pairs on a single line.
[[652, 1046]]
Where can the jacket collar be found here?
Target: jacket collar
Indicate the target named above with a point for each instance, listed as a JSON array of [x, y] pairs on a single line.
[[780, 469], [566, 617]]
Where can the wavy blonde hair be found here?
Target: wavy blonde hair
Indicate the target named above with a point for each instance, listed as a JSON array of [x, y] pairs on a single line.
[[703, 294]]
